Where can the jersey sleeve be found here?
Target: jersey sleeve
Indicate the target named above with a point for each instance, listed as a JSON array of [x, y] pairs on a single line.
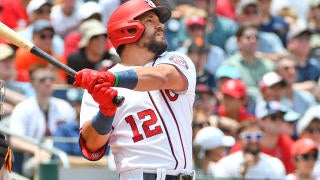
[[183, 64]]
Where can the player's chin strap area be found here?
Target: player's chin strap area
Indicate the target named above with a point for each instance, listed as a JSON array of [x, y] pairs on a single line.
[[159, 174]]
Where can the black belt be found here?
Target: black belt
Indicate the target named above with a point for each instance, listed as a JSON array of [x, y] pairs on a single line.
[[151, 176]]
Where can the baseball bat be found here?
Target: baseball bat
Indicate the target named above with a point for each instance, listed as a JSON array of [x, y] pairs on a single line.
[[11, 36]]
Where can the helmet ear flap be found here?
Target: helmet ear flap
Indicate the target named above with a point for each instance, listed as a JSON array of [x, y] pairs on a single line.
[[125, 32]]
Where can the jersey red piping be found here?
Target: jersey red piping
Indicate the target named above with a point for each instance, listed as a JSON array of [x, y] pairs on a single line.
[[176, 122], [171, 146]]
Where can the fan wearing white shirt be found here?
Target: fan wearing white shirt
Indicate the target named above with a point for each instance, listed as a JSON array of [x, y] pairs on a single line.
[[250, 162]]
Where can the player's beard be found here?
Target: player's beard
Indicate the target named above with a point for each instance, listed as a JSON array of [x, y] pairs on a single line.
[[156, 46]]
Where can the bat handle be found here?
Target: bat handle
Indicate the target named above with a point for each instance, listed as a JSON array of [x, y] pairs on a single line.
[[117, 100]]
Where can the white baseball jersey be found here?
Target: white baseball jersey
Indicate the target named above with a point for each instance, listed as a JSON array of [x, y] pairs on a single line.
[[27, 119], [152, 129]]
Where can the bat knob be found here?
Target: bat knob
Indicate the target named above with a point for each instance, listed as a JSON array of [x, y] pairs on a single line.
[[118, 100]]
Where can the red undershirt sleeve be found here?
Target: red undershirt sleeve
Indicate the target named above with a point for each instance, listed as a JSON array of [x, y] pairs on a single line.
[[91, 156]]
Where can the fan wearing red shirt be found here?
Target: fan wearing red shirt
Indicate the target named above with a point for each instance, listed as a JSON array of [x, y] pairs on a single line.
[[14, 14], [234, 101]]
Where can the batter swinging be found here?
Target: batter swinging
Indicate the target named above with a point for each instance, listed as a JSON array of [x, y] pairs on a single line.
[[150, 134]]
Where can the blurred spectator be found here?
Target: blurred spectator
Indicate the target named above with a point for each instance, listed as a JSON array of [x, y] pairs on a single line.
[[227, 8], [91, 48], [289, 15], [199, 121], [295, 99], [199, 56], [196, 26], [232, 108], [205, 99], [43, 33], [272, 87], [269, 44], [308, 69], [14, 14], [251, 67], [289, 122], [224, 73], [298, 45], [210, 145], [37, 118], [250, 162], [304, 153], [275, 142], [218, 28], [70, 131], [40, 10], [309, 127], [196, 31], [205, 102], [107, 7], [314, 24], [300, 7], [272, 23], [65, 13], [173, 3], [71, 43], [234, 101], [15, 91], [89, 10], [175, 32]]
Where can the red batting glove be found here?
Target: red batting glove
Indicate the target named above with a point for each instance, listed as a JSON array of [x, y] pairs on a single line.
[[103, 95], [88, 78]]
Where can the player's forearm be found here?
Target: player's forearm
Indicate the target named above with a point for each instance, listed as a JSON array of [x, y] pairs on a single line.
[[160, 77], [93, 140]]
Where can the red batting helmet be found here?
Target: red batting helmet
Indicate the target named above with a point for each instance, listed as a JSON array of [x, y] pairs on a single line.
[[123, 28]]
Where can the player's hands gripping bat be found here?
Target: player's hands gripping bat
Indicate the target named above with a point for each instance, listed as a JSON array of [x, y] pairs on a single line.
[[88, 78], [11, 36], [103, 94]]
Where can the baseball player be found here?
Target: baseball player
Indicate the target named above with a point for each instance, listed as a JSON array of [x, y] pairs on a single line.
[[150, 134]]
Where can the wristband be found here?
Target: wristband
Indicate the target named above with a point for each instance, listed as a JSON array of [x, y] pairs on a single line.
[[126, 79], [102, 124]]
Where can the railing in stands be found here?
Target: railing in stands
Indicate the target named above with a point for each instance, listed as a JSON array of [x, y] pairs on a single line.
[[60, 154]]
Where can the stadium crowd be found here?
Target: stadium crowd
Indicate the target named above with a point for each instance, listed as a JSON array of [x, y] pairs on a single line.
[[256, 112]]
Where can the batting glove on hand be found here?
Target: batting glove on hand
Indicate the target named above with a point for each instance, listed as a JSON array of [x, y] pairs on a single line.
[[103, 95], [88, 78]]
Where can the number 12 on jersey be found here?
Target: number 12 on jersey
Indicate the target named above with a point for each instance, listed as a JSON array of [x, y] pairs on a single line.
[[149, 119]]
